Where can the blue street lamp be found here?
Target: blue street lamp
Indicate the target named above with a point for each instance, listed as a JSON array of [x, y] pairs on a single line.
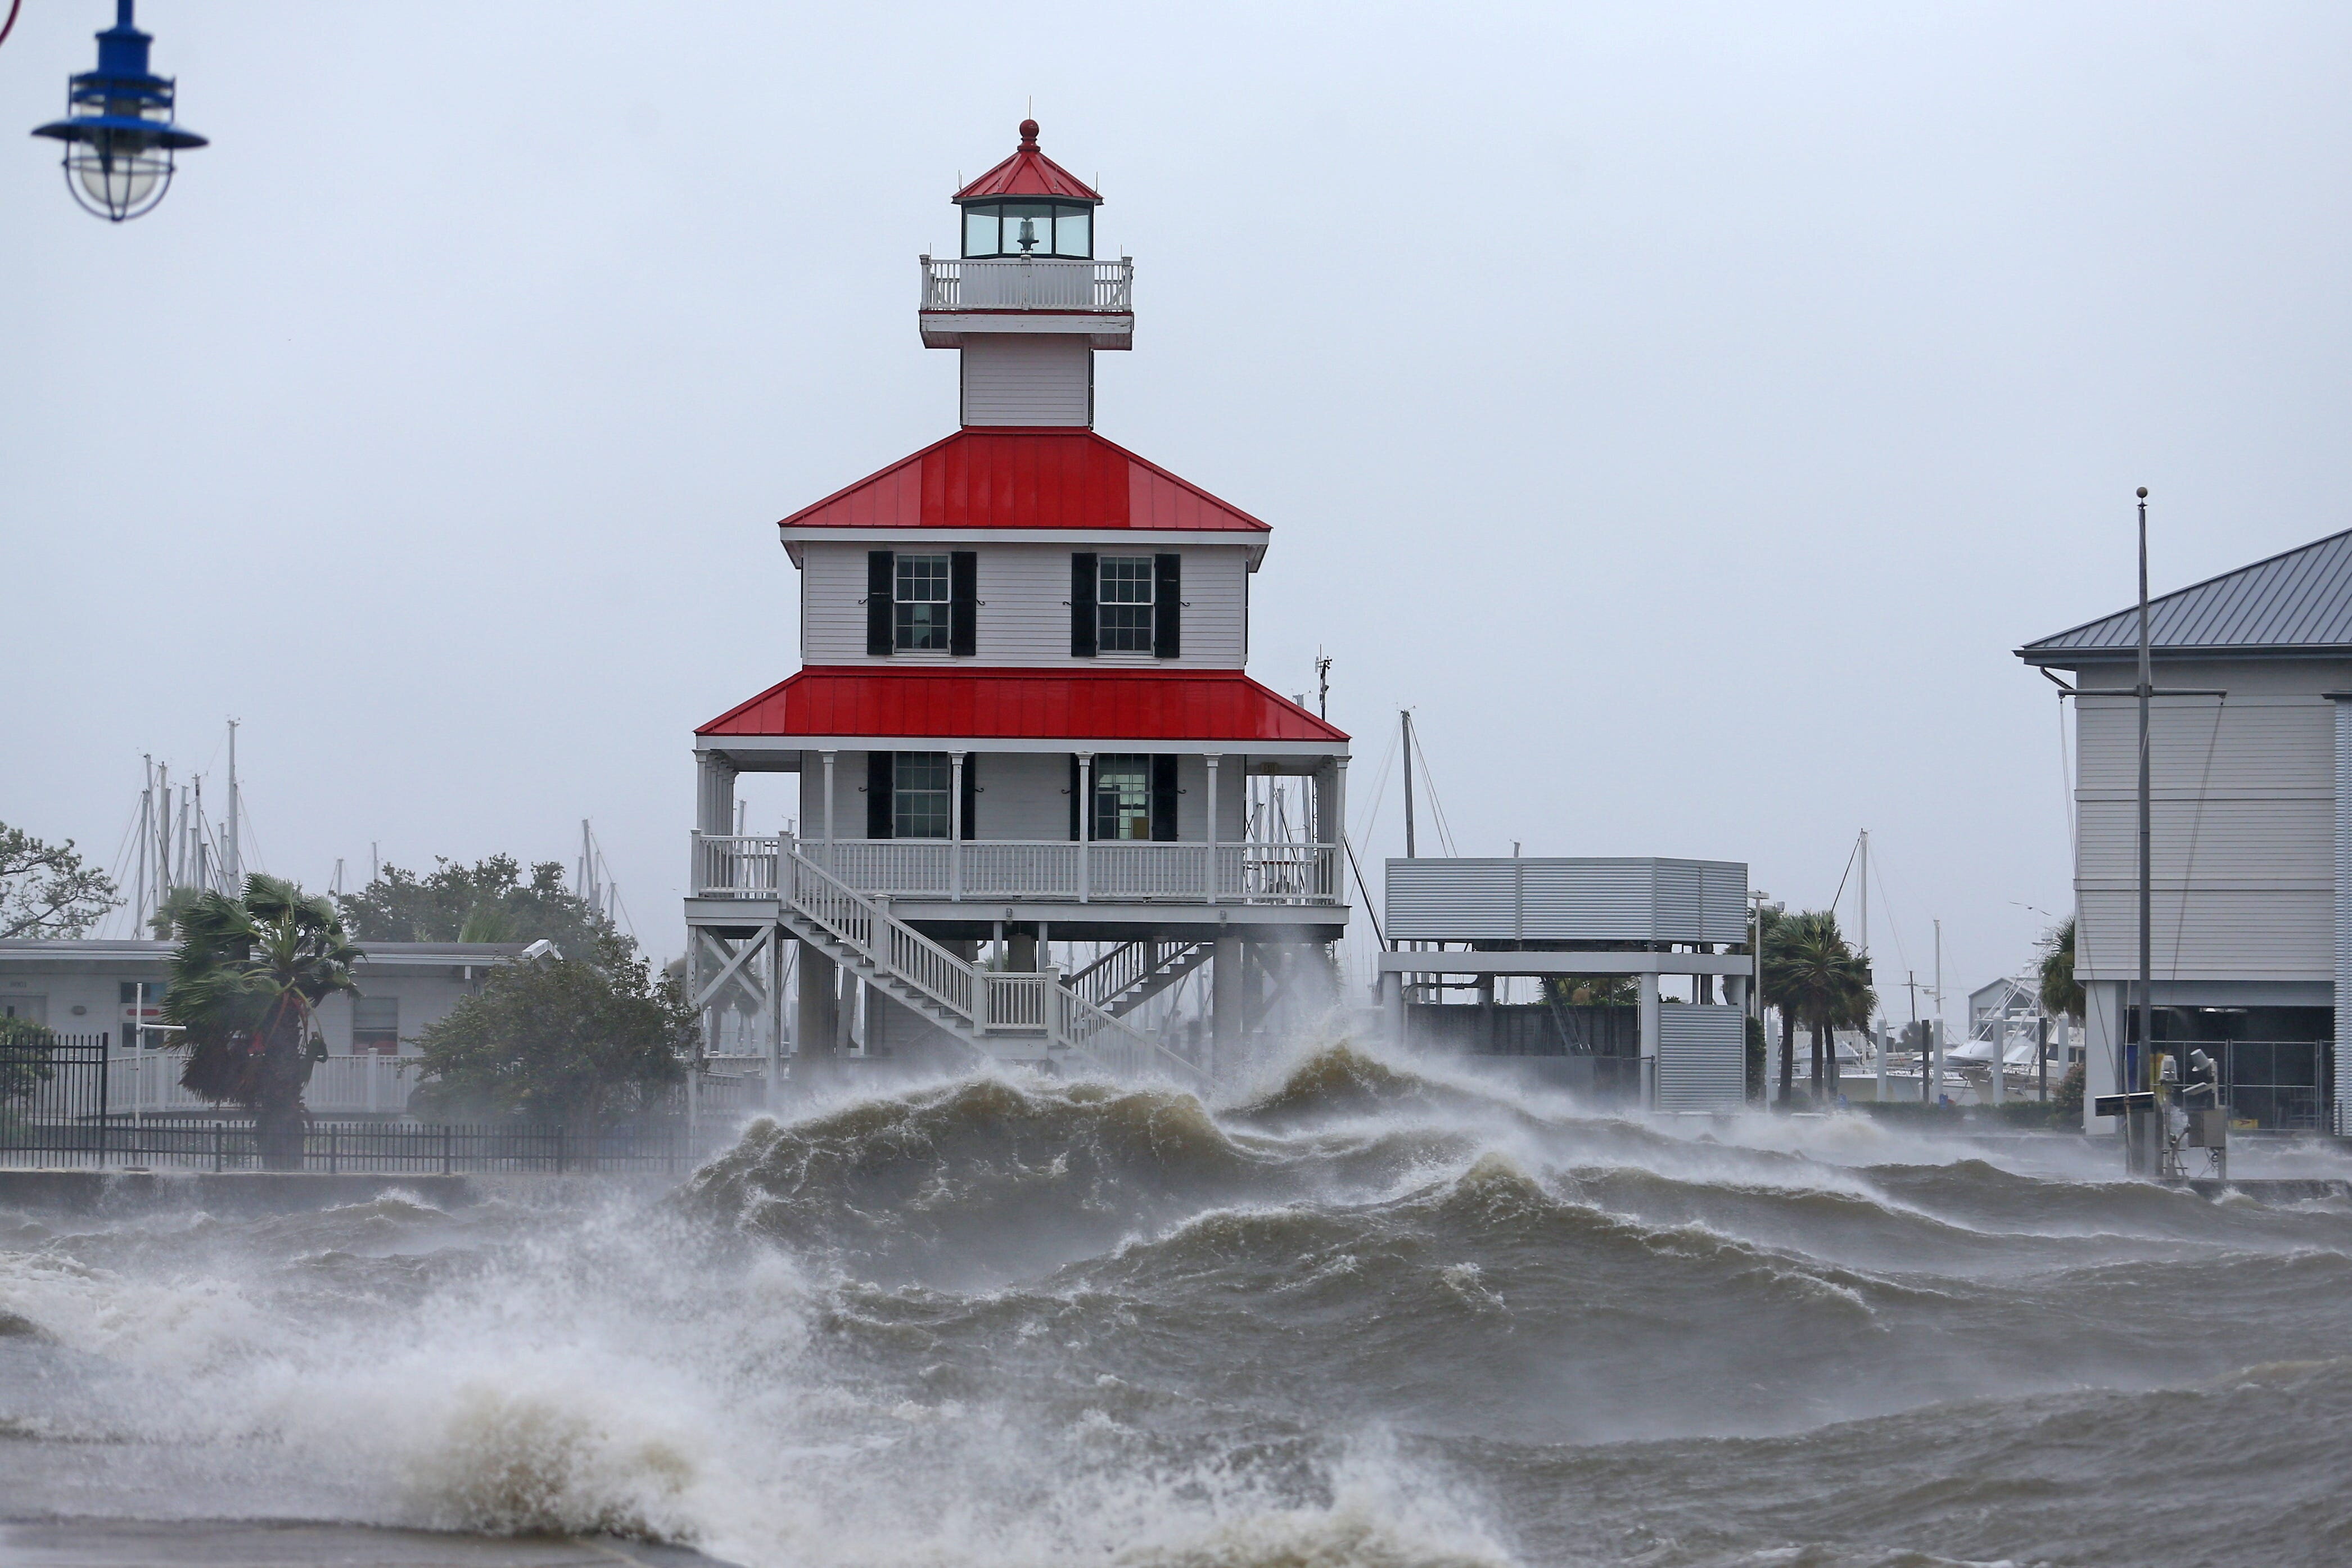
[[118, 130]]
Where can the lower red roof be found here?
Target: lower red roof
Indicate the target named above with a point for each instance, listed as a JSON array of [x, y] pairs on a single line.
[[1024, 705]]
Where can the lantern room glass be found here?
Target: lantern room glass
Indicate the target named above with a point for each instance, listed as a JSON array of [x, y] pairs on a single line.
[[1028, 228]]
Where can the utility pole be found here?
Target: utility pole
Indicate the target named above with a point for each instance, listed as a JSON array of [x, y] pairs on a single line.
[[1322, 684], [2141, 1064], [1936, 1028]]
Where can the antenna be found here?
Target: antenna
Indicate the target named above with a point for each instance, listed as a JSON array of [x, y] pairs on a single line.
[[1404, 720], [1322, 684]]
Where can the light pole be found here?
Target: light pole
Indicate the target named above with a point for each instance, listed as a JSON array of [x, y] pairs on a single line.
[[118, 131]]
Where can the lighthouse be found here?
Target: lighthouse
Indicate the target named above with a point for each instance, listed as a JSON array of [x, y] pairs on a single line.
[[1022, 728]]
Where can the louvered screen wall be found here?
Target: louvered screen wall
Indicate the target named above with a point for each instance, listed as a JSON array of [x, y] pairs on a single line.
[[1702, 1058], [1590, 899]]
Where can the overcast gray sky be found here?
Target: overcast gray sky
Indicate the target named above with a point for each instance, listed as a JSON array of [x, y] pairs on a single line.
[[1685, 409]]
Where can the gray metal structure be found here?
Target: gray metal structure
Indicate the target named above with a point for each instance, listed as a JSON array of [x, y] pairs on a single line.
[[1475, 920]]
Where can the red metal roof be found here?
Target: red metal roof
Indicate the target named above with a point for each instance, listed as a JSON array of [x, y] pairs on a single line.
[[1024, 705], [1062, 478], [1028, 172]]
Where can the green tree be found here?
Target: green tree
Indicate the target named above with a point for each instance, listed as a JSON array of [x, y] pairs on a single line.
[[585, 1042], [1821, 982], [1593, 991], [2067, 1098], [485, 902], [246, 980], [2060, 991], [25, 1047], [1773, 981], [46, 891]]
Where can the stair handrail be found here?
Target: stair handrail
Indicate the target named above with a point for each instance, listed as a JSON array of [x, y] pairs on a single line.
[[1081, 1026], [908, 955], [1120, 967]]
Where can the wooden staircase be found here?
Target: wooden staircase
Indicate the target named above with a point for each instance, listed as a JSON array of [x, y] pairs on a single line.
[[997, 1016]]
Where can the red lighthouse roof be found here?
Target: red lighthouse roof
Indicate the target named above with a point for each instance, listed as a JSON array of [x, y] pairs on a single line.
[[1060, 478], [854, 702], [1028, 172]]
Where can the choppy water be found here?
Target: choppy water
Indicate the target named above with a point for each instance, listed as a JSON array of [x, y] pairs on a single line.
[[1368, 1315]]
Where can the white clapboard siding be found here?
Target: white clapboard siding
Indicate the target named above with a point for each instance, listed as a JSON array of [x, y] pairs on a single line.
[[2218, 838], [2242, 831], [1040, 378], [2199, 745], [2270, 934], [1024, 608]]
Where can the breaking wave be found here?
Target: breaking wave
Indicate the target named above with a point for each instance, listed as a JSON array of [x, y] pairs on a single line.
[[1372, 1311]]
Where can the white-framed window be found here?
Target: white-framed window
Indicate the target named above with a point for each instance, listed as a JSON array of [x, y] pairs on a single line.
[[375, 1025], [1123, 603], [919, 782], [921, 592]]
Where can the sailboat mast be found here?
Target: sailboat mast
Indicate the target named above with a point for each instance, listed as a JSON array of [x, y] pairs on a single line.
[[1404, 720], [232, 863]]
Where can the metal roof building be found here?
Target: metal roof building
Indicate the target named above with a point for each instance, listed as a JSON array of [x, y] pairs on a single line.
[[2249, 760]]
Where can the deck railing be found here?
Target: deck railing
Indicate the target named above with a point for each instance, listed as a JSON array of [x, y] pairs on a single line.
[[1100, 871], [1032, 283]]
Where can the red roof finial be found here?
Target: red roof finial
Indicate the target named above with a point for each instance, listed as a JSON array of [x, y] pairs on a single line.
[[1028, 136]]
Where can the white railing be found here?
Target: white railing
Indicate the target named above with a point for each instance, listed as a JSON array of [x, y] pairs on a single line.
[[984, 1001], [1028, 283], [148, 1082], [745, 867], [1123, 967], [1105, 871]]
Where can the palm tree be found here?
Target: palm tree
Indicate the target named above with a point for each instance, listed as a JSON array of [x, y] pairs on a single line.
[[247, 981], [2060, 991], [1772, 933], [1823, 982]]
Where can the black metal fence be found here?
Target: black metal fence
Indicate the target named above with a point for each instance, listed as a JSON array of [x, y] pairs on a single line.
[[54, 1111]]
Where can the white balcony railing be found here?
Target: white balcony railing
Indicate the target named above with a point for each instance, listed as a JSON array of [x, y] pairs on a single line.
[[1105, 871], [1034, 283]]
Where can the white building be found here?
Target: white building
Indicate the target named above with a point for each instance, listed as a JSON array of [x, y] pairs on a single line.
[[2251, 828], [1021, 716]]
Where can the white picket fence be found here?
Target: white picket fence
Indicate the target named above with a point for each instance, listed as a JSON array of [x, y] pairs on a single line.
[[148, 1080]]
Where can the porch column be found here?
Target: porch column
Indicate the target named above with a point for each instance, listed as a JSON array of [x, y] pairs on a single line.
[[816, 998], [1649, 1040], [1392, 1004], [828, 757], [955, 827], [1212, 760], [715, 802], [1332, 829], [1226, 985], [1085, 817]]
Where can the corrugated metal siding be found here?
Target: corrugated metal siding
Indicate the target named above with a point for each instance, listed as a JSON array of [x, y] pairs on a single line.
[[2223, 839], [1702, 1058], [1023, 618], [1571, 899], [1040, 378], [2300, 598]]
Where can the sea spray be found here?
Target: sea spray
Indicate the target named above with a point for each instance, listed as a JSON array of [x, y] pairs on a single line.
[[1363, 1310]]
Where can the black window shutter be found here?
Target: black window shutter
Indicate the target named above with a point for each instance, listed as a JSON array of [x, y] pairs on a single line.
[[1166, 606], [963, 605], [971, 792], [881, 590], [879, 778], [1075, 802], [1082, 608], [1164, 795]]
